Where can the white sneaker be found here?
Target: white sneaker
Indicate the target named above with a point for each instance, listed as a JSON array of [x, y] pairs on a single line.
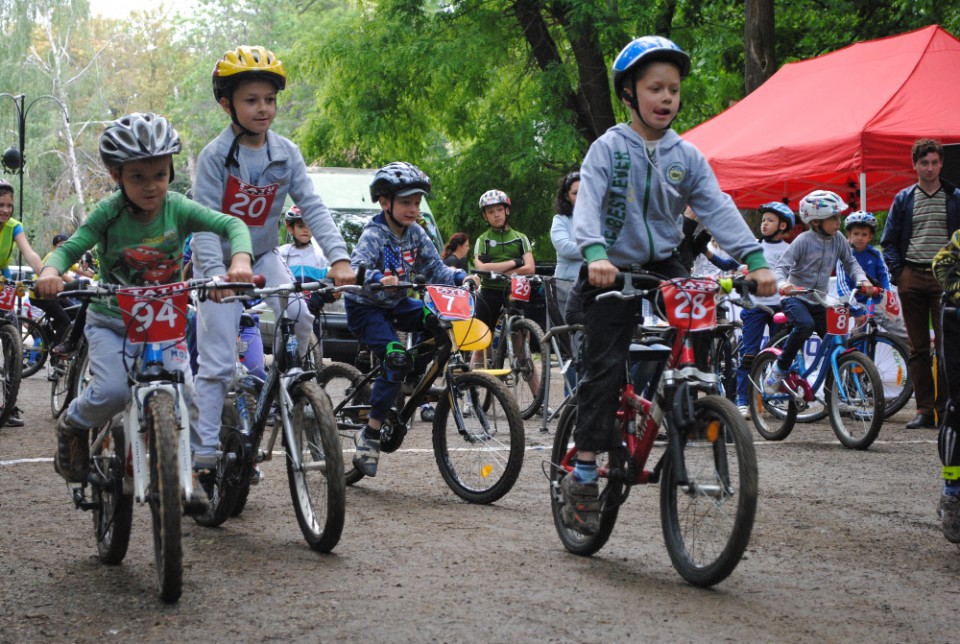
[[772, 384], [744, 411]]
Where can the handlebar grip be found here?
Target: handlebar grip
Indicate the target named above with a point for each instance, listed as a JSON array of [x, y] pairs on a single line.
[[361, 272], [76, 285], [260, 280]]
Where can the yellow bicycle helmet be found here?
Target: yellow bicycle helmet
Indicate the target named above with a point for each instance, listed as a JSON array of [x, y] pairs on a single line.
[[244, 63]]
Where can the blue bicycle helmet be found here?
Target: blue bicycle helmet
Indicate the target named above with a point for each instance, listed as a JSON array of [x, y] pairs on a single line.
[[861, 218], [781, 210], [646, 49]]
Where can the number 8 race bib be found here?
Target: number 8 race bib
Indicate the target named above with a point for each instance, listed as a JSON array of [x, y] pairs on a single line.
[[248, 202]]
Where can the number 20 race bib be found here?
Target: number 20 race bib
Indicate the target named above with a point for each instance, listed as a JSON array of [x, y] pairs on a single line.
[[248, 202]]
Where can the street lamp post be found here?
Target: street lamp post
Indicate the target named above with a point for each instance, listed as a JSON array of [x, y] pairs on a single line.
[[13, 159]]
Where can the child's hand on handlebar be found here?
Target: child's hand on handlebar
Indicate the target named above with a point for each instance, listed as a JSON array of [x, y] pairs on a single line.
[[389, 280], [787, 289], [48, 284], [472, 279], [766, 282], [868, 289], [341, 273], [601, 273]]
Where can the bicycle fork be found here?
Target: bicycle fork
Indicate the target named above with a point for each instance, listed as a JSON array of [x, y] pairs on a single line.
[[135, 432]]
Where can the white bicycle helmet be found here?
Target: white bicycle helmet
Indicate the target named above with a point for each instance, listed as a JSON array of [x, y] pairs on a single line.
[[861, 218], [821, 204], [492, 198], [137, 136]]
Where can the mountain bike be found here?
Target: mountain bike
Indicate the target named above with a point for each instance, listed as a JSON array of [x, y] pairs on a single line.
[[725, 354], [478, 434], [707, 470], [37, 333], [522, 354], [853, 390], [11, 353], [143, 454], [304, 416]]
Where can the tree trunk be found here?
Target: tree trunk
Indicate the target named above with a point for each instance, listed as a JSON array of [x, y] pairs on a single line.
[[759, 41]]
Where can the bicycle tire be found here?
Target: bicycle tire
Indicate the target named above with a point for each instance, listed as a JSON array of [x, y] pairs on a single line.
[[815, 410], [60, 385], [774, 420], [230, 480], [164, 494], [725, 358], [112, 508], [35, 345], [10, 369], [562, 461], [313, 356], [856, 402], [717, 500], [883, 348], [317, 487], [340, 381], [533, 360], [481, 461], [245, 478]]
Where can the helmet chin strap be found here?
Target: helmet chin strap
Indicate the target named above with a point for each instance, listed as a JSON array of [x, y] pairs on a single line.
[[635, 106], [298, 244], [232, 153], [389, 213]]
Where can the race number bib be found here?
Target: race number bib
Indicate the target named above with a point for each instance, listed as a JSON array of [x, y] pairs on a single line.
[[519, 288], [893, 304], [248, 202], [691, 303], [8, 297], [838, 320], [449, 302], [154, 313]]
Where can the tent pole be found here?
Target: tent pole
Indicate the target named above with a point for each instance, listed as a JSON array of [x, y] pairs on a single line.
[[863, 191]]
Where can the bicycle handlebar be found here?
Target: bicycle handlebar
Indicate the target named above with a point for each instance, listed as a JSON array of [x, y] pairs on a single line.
[[497, 276], [199, 284]]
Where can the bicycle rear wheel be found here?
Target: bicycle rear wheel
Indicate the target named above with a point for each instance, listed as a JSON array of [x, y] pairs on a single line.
[[10, 368], [481, 458], [774, 417], [112, 508], [60, 385], [562, 460], [890, 355], [164, 494], [341, 382], [707, 517], [317, 485], [35, 343], [855, 400], [528, 365]]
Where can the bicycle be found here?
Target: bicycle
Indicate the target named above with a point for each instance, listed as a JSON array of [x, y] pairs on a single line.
[[143, 453], [479, 453], [311, 444], [523, 355], [708, 469], [725, 352], [37, 333], [853, 390], [11, 353]]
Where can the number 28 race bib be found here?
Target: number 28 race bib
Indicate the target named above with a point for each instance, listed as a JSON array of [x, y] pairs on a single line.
[[691, 303], [248, 202]]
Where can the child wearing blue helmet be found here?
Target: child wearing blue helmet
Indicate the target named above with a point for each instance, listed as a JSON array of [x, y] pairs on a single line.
[[635, 180]]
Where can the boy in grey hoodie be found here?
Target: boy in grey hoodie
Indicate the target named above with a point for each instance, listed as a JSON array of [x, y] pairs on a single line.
[[635, 181]]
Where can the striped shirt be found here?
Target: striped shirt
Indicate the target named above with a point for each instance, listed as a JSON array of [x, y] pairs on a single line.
[[929, 226]]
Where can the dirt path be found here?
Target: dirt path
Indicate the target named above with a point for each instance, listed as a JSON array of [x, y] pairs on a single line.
[[846, 547]]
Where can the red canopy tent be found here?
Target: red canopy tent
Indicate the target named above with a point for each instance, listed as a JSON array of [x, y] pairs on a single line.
[[844, 121]]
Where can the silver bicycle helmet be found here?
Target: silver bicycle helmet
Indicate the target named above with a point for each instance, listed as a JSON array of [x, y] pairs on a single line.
[[821, 204], [399, 179], [494, 197], [137, 136], [861, 218]]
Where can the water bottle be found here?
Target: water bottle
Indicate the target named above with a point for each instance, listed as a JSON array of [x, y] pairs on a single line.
[[496, 333]]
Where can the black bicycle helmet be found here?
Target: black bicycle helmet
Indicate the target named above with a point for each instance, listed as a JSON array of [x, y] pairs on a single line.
[[399, 179]]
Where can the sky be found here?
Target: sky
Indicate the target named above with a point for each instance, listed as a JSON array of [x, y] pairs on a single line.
[[115, 9]]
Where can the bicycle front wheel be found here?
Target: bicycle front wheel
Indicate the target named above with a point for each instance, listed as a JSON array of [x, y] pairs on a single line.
[[562, 461], [342, 384], [112, 508], [35, 343], [60, 385], [855, 400], [527, 366], [10, 369], [478, 447], [164, 494], [889, 354], [773, 416], [707, 516], [315, 467]]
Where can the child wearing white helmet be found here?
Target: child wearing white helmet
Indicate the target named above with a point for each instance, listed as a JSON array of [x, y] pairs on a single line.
[[808, 263]]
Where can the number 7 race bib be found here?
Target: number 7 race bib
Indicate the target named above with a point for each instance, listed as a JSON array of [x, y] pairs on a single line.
[[248, 202], [154, 313]]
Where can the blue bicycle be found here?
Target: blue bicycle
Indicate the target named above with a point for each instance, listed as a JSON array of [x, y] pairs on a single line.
[[853, 389]]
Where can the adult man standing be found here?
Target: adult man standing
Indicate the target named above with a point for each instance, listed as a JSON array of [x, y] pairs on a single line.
[[920, 222]]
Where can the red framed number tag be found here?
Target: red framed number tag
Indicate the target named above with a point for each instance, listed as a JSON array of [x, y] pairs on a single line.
[[893, 303], [8, 297], [248, 202], [154, 313], [449, 302], [691, 303], [519, 288], [838, 320]]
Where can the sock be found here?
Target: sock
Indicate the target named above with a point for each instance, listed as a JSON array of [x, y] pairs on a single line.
[[371, 434], [585, 471], [951, 488]]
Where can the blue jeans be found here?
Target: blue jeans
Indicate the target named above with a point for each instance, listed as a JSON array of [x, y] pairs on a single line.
[[805, 319], [755, 323]]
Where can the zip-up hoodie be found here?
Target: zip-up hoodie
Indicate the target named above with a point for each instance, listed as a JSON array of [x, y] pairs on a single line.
[[384, 253], [285, 167], [811, 259], [629, 206]]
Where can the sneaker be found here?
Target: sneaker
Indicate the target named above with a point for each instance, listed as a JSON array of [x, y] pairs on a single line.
[[205, 478], [368, 453], [65, 349], [540, 411], [772, 384], [427, 413], [15, 420], [581, 505], [72, 460], [466, 409], [950, 517], [744, 411]]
